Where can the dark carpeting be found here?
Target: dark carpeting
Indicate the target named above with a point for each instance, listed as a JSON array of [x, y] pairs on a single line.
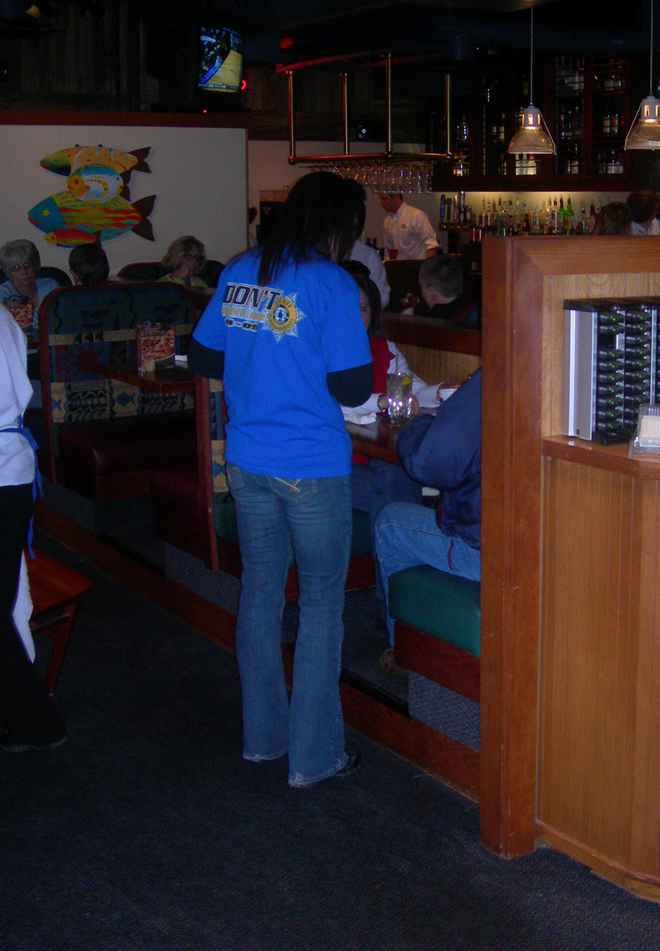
[[148, 832]]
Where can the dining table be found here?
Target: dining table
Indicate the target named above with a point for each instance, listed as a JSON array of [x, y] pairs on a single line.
[[169, 379], [376, 439]]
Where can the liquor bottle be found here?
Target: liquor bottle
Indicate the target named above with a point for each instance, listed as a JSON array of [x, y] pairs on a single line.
[[568, 217], [462, 130], [584, 224], [574, 165]]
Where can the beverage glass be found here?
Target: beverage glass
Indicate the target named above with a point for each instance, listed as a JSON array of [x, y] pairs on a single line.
[[399, 397], [393, 252]]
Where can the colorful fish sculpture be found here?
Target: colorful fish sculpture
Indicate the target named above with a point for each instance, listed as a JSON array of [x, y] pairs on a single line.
[[62, 217], [66, 161], [95, 183]]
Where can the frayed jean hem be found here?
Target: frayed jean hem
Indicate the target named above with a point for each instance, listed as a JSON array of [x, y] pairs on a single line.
[[299, 782], [258, 758]]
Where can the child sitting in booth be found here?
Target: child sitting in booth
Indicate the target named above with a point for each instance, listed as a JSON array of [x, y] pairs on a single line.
[[441, 284]]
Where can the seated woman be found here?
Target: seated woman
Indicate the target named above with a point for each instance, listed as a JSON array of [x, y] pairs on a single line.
[[184, 259], [88, 264], [376, 483], [21, 264]]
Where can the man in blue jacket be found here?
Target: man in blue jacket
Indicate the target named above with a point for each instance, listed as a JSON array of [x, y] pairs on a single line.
[[443, 451]]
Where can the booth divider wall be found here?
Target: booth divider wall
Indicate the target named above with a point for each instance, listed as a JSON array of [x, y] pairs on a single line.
[[570, 669]]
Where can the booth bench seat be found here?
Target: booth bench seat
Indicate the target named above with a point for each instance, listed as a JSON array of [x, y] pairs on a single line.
[[195, 512], [179, 504], [437, 619], [103, 437], [116, 458]]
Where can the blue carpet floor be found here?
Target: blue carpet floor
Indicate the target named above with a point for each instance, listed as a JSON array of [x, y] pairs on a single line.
[[148, 832]]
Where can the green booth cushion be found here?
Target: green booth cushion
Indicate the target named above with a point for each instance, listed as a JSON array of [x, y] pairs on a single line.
[[225, 525], [439, 603]]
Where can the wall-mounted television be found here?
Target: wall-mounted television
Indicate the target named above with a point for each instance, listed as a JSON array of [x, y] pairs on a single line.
[[220, 59]]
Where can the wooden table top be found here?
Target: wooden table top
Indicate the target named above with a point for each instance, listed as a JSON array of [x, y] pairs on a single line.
[[171, 379], [377, 439]]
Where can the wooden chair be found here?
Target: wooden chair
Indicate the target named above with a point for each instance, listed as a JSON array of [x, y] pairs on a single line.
[[56, 591]]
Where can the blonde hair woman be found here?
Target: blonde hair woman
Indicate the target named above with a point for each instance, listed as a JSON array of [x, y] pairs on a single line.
[[184, 260]]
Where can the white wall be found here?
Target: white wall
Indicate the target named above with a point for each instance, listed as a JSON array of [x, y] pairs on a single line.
[[198, 175]]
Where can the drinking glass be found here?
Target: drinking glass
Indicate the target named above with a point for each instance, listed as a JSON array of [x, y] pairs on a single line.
[[399, 397]]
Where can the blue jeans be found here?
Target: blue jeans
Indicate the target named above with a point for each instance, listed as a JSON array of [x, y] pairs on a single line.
[[315, 516], [374, 485], [408, 535]]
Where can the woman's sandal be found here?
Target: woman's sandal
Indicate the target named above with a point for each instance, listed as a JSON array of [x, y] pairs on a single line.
[[387, 663]]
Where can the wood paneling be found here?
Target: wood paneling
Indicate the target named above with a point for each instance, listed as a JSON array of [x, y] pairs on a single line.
[[434, 366], [599, 747], [569, 667]]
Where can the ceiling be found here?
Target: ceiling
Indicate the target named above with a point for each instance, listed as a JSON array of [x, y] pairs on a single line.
[[454, 28]]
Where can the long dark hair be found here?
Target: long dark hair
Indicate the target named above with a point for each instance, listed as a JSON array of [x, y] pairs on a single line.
[[318, 216], [360, 273]]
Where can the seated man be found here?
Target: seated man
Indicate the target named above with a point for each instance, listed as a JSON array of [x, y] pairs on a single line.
[[442, 451], [441, 284]]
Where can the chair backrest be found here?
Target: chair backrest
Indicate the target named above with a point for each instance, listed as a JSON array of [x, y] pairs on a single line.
[[211, 416], [211, 272], [82, 327], [57, 274], [141, 271]]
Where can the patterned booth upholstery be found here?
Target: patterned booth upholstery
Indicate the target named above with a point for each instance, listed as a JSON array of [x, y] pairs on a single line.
[[437, 627], [103, 437], [195, 512]]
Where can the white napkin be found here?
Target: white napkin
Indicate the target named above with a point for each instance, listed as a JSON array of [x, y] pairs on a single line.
[[447, 391], [360, 420]]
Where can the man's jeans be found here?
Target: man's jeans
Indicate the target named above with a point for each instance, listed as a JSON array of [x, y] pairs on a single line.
[[408, 535], [315, 515], [374, 485]]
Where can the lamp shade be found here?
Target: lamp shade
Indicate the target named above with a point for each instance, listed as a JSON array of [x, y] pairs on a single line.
[[532, 136], [645, 130]]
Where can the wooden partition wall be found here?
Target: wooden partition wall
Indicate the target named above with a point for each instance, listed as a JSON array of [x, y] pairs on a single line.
[[570, 643]]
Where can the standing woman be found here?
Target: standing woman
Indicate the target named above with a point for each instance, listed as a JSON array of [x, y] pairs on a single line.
[[284, 333], [29, 716]]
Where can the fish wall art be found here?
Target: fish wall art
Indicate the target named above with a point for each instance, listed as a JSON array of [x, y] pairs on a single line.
[[96, 205]]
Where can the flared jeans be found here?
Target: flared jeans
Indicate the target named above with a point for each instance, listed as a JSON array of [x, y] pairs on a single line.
[[312, 517]]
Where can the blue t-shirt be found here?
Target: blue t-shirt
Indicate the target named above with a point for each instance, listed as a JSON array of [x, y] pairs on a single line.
[[279, 343]]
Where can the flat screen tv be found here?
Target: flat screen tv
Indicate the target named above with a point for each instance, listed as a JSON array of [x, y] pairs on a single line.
[[220, 59]]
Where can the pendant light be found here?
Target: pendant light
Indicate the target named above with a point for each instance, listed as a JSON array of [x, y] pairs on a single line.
[[645, 131], [533, 136]]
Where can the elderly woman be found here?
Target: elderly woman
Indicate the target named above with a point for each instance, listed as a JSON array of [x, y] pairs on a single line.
[[184, 259], [21, 264]]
